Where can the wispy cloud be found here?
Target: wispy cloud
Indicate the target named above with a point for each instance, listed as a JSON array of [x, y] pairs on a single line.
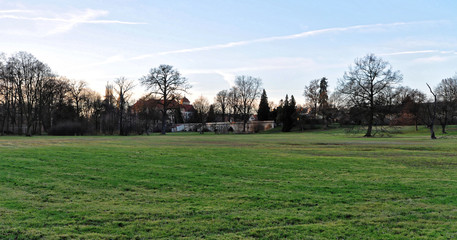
[[285, 37], [407, 52], [432, 59], [426, 56], [417, 52], [260, 65], [15, 11], [289, 37], [63, 22]]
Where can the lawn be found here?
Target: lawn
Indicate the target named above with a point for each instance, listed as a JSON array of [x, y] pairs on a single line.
[[312, 185]]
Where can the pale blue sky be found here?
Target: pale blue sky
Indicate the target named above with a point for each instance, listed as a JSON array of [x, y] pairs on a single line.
[[285, 43]]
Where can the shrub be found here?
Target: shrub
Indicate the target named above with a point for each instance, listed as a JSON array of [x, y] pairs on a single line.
[[66, 129]]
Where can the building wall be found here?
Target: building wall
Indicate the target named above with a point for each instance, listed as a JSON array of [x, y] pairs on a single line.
[[225, 127]]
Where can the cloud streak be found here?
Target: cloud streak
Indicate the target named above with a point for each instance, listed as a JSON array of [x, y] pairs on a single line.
[[15, 11], [285, 37], [81, 19], [417, 52], [66, 22], [288, 37]]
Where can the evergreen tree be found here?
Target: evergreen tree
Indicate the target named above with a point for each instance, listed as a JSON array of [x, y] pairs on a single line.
[[293, 110], [264, 109], [323, 99], [289, 114], [285, 115], [211, 114]]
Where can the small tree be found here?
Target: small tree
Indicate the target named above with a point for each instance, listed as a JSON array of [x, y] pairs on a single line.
[[323, 100], [77, 92], [411, 101], [263, 113], [233, 103], [446, 92], [312, 95], [211, 114], [201, 106], [108, 112], [247, 90], [123, 88], [288, 113], [167, 85], [221, 102]]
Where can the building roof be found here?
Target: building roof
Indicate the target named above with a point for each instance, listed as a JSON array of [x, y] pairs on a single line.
[[143, 103]]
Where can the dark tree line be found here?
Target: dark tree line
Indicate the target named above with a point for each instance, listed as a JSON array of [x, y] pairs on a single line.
[[34, 100]]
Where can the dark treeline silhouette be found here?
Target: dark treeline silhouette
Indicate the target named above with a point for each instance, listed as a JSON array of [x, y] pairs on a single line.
[[34, 101]]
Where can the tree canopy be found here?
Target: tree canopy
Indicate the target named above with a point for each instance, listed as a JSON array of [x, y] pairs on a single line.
[[365, 84]]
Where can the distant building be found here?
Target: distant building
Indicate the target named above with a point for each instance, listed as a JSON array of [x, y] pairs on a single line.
[[150, 106], [186, 109]]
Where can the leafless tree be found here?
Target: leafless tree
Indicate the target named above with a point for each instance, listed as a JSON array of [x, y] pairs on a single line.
[[77, 90], [221, 101], [108, 118], [201, 106], [28, 77], [446, 92], [364, 83], [233, 103], [167, 85], [5, 93], [123, 89], [312, 94], [247, 91], [411, 101], [431, 116]]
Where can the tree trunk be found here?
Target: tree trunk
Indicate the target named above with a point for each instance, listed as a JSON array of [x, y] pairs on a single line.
[[443, 128], [2, 131], [371, 116], [121, 125], [370, 125], [244, 125], [432, 132], [164, 122], [21, 121]]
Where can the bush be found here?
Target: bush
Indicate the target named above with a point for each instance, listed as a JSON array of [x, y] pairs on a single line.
[[66, 129]]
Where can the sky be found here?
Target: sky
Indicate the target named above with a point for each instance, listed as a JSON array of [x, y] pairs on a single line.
[[285, 43]]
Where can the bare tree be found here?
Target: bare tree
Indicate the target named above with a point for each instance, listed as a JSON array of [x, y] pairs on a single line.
[[365, 83], [108, 113], [411, 101], [77, 90], [446, 92], [201, 106], [123, 88], [221, 101], [166, 84], [312, 94], [431, 116], [5, 93], [26, 78], [233, 103], [247, 90]]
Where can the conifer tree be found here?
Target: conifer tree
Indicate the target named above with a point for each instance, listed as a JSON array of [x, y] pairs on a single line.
[[211, 114], [264, 109], [289, 114], [323, 99]]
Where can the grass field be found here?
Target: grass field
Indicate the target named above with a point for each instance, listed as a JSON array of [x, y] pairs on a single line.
[[312, 185]]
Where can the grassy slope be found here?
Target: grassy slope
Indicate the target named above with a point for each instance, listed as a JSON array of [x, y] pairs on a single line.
[[300, 185]]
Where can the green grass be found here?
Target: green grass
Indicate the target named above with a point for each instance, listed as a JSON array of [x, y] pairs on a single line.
[[312, 185]]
